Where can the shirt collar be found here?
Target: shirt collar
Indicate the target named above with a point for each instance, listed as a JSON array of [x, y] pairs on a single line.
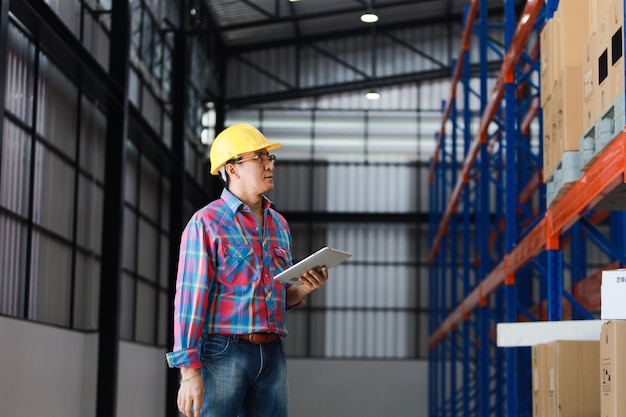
[[233, 203]]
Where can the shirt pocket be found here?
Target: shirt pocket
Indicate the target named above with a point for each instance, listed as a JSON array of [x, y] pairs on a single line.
[[238, 258], [281, 259]]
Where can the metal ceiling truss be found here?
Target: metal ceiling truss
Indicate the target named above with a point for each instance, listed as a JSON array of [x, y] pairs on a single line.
[[365, 84], [286, 89]]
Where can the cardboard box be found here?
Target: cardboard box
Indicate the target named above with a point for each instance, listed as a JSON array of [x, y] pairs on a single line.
[[549, 138], [593, 54], [613, 39], [574, 378], [613, 369], [563, 119], [613, 295], [561, 40], [603, 65], [568, 95], [539, 354], [571, 32], [598, 9], [547, 76]]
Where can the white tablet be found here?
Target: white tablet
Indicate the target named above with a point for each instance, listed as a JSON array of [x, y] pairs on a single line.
[[326, 256]]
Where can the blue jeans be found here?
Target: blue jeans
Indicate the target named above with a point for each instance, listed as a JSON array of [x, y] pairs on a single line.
[[243, 379]]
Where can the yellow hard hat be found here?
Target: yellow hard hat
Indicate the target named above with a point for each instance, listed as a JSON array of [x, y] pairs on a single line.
[[237, 140]]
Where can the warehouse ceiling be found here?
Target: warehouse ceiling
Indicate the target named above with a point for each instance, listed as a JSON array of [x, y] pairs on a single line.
[[263, 23], [245, 27]]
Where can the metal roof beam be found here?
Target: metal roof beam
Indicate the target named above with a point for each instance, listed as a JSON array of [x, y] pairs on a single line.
[[370, 83]]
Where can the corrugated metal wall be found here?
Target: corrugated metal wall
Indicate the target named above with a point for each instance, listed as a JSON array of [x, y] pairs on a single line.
[[50, 194], [339, 159], [52, 179]]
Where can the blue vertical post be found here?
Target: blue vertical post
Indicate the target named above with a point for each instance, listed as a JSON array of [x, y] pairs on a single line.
[[555, 286], [432, 291], [433, 221], [512, 190], [578, 264], [484, 376], [618, 231], [554, 279], [437, 282], [443, 285], [439, 285], [467, 211], [483, 226], [553, 255], [454, 275]]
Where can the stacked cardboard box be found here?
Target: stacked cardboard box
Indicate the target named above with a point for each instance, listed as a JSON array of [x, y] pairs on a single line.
[[603, 77], [613, 369], [574, 377], [562, 39], [597, 10], [585, 378], [540, 380], [565, 379], [613, 294], [582, 87], [613, 343]]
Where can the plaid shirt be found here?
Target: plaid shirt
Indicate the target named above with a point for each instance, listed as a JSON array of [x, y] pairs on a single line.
[[225, 269]]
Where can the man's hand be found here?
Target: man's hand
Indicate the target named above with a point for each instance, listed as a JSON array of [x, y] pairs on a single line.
[[310, 281], [314, 279], [191, 392]]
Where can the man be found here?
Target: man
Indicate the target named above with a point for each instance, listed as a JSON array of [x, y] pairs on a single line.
[[228, 311]]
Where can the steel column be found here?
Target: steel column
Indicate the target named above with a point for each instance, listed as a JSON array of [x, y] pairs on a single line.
[[112, 240], [177, 190]]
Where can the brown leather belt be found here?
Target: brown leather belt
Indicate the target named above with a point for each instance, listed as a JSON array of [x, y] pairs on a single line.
[[258, 338]]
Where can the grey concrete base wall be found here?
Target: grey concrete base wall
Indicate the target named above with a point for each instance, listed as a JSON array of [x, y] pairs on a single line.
[[48, 371], [351, 388]]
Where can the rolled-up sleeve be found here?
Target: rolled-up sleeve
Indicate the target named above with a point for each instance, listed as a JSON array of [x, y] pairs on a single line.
[[191, 299]]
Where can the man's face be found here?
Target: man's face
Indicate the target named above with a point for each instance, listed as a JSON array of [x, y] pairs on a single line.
[[256, 171]]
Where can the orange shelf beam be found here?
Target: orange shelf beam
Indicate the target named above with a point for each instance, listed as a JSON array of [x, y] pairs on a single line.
[[506, 75], [593, 186], [456, 76], [602, 177]]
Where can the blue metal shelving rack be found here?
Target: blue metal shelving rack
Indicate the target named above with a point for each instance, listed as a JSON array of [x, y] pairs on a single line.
[[497, 253]]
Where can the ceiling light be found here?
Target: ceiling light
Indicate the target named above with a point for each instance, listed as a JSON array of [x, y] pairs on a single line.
[[369, 17], [372, 95]]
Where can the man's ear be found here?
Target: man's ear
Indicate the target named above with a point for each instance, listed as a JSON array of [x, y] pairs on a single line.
[[230, 168]]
